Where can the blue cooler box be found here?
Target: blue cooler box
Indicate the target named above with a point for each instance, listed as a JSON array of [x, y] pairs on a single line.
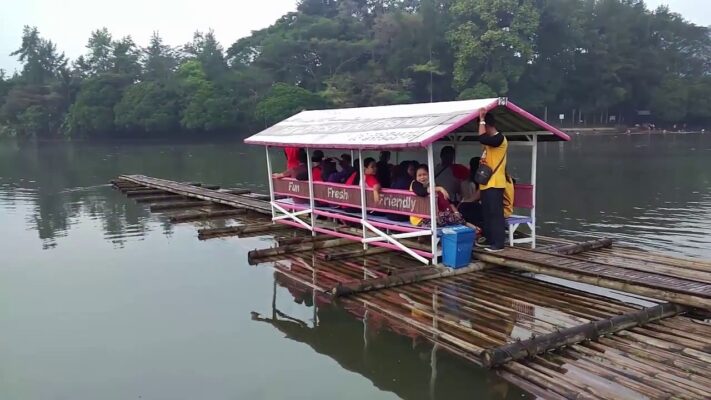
[[457, 243]]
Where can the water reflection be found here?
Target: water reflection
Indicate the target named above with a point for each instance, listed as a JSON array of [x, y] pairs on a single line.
[[374, 347], [61, 185]]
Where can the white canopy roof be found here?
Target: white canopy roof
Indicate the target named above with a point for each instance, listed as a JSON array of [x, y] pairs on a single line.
[[400, 126]]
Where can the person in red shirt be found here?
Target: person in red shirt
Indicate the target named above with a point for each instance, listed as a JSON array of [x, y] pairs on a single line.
[[370, 169], [292, 157], [299, 172], [317, 169]]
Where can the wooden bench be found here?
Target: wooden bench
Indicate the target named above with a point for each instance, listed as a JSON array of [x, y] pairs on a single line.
[[523, 199]]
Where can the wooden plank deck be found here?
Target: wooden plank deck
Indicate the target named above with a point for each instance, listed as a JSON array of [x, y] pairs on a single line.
[[233, 200], [694, 290]]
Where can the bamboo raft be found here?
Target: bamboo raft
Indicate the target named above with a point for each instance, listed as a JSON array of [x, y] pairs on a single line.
[[551, 340]]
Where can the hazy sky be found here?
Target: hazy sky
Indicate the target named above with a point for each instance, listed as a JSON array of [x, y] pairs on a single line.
[[68, 23]]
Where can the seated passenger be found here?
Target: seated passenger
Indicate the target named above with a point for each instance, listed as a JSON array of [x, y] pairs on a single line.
[[470, 206], [370, 169], [448, 174], [384, 169], [317, 159], [346, 170], [447, 213], [328, 169], [401, 181], [402, 178], [299, 172]]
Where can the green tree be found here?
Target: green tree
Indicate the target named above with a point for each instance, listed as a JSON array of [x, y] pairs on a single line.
[[124, 58], [285, 100], [205, 107], [148, 107], [670, 100], [92, 114], [207, 50], [100, 48], [159, 60], [492, 41], [41, 61]]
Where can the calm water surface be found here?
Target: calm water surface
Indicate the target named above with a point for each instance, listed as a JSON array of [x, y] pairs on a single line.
[[101, 299]]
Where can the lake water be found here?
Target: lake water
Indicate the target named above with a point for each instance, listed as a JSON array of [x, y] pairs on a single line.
[[101, 299]]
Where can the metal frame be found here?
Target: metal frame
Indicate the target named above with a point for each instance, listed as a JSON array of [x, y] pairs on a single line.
[[286, 214], [534, 163], [312, 203], [433, 202], [279, 213], [532, 142]]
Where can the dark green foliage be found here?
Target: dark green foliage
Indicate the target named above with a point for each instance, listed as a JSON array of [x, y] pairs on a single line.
[[597, 57], [285, 100], [148, 107]]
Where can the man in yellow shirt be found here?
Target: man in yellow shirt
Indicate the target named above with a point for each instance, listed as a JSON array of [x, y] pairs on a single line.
[[492, 192]]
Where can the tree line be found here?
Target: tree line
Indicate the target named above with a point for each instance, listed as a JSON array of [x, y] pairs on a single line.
[[596, 60]]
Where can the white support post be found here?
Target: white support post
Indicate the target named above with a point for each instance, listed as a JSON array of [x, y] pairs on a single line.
[[534, 159], [269, 178], [312, 204], [363, 212], [433, 202]]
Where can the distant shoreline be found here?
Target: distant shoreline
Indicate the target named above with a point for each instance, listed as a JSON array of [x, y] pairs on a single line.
[[617, 131]]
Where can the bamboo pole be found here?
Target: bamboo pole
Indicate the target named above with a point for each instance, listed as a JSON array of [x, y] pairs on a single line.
[[528, 348], [559, 386], [209, 233], [195, 216], [302, 239], [176, 205], [650, 266], [570, 249], [610, 283], [295, 248], [403, 279], [354, 253], [239, 191], [144, 191], [161, 198], [668, 379]]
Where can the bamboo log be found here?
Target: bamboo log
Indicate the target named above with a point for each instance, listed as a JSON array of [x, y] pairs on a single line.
[[302, 239], [559, 386], [403, 279], [354, 253], [143, 191], [161, 198], [236, 191], [528, 348], [531, 387], [126, 185], [210, 233], [195, 216], [295, 248], [260, 196], [178, 205], [570, 249], [610, 283]]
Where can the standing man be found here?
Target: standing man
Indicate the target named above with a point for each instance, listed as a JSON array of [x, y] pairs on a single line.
[[492, 192]]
